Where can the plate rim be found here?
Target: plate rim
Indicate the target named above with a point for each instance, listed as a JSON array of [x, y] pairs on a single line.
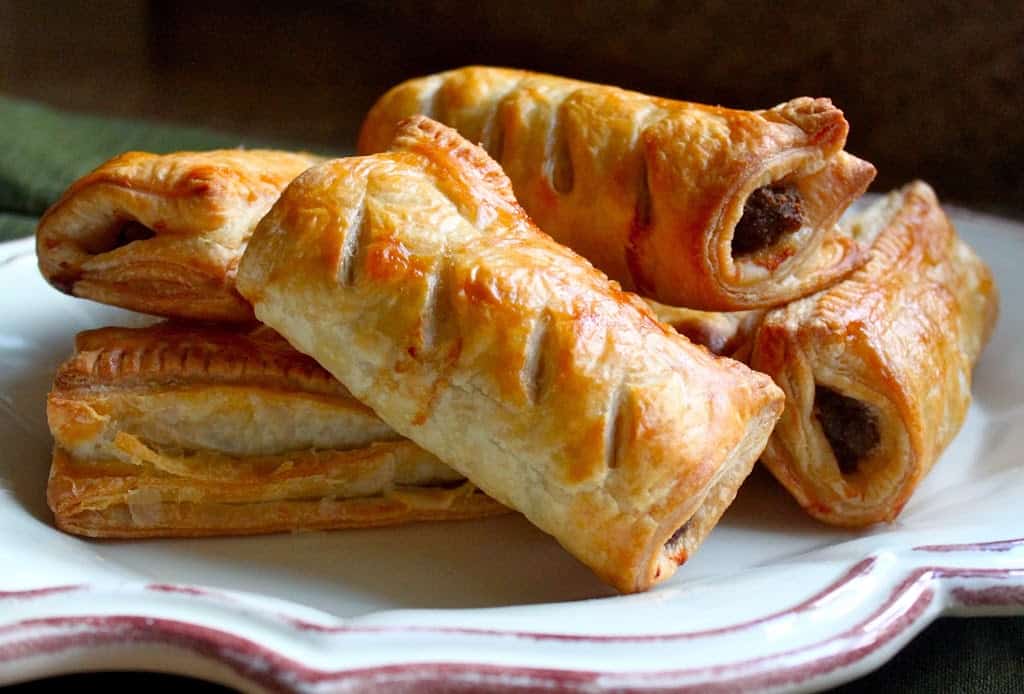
[[919, 597]]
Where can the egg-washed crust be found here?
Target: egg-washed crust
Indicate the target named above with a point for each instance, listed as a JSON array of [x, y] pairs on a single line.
[[652, 190], [893, 345], [415, 278], [162, 234], [181, 353], [187, 430], [729, 334]]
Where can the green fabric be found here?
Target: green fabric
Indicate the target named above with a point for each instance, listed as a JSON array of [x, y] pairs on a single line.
[[42, 150], [954, 655], [14, 226]]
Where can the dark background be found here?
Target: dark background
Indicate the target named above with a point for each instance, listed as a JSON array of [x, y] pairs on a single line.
[[932, 89]]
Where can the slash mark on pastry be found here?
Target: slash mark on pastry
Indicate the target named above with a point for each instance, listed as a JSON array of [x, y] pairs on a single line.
[[430, 106], [493, 136], [639, 229], [562, 174], [533, 364], [353, 243], [433, 306], [613, 425]]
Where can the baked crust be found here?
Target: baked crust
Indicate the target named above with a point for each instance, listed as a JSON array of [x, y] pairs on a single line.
[[163, 234], [183, 430], [729, 334], [896, 342], [99, 498], [651, 190], [415, 278]]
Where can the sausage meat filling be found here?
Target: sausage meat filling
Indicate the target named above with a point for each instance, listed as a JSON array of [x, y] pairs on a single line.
[[769, 212], [850, 426]]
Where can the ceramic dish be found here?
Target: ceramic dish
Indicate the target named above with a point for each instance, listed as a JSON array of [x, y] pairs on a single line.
[[773, 600]]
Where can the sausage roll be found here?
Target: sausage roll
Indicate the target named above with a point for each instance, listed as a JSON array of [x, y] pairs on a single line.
[[691, 205], [186, 431], [877, 370], [163, 234], [415, 278]]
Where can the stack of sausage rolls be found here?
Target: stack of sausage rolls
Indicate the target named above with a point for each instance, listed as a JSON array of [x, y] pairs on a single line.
[[600, 316]]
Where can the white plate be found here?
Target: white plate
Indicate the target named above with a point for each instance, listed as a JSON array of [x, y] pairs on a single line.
[[772, 600]]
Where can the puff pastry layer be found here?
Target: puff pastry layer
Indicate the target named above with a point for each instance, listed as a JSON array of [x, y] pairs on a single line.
[[877, 370], [180, 430], [415, 278], [691, 205], [163, 234], [729, 334]]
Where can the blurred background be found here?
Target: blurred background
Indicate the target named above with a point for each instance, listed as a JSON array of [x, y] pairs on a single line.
[[932, 89]]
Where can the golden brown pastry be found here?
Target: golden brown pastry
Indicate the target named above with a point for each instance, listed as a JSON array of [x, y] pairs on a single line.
[[691, 205], [163, 234], [729, 334], [415, 278], [877, 370], [179, 430]]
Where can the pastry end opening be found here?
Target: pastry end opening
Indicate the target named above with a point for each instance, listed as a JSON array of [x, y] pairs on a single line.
[[850, 425], [674, 544], [770, 212], [119, 235]]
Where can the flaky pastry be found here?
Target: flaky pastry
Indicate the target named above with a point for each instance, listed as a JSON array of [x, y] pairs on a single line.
[[182, 430], [877, 370], [729, 334], [416, 279], [690, 205], [163, 234]]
